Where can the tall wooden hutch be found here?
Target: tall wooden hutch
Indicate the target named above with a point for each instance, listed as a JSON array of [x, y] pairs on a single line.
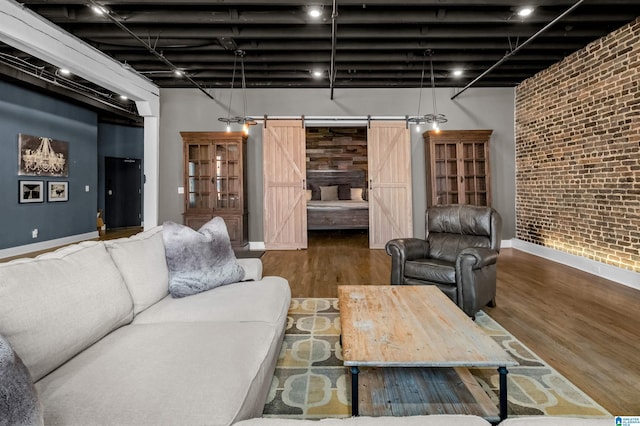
[[215, 181], [458, 167]]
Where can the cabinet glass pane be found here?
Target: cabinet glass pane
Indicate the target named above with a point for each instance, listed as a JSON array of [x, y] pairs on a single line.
[[227, 175], [194, 152], [198, 201], [198, 184]]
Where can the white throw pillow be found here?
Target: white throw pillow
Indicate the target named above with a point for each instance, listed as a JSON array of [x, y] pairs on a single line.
[[356, 194], [329, 193]]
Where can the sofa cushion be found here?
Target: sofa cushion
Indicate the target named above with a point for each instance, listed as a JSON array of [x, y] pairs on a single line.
[[19, 403], [266, 300], [252, 268], [142, 263], [166, 374], [199, 260], [54, 306], [432, 420]]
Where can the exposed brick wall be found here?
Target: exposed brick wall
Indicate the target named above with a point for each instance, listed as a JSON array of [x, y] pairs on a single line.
[[336, 148], [578, 152]]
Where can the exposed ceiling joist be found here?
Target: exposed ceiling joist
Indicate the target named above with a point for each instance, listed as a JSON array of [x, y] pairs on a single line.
[[361, 44]]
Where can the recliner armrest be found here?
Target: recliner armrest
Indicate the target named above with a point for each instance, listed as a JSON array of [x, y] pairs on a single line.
[[401, 250], [483, 256], [408, 248]]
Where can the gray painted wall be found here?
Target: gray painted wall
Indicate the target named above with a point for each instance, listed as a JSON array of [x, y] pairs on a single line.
[[25, 111], [481, 108], [120, 142]]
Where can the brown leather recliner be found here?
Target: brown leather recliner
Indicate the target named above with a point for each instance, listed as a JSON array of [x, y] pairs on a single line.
[[459, 255]]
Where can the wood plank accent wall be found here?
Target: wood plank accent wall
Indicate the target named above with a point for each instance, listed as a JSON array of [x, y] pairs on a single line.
[[578, 152], [336, 148]]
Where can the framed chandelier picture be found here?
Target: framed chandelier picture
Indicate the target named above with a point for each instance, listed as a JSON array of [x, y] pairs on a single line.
[[42, 156]]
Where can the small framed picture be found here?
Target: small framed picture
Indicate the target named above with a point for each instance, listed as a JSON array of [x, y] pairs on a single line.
[[57, 191], [31, 191]]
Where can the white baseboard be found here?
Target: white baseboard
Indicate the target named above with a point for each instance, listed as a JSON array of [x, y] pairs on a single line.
[[46, 245], [609, 272], [256, 245], [506, 244]]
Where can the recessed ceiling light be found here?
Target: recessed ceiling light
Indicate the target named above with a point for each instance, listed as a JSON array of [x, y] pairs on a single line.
[[525, 11], [123, 97], [178, 73], [64, 71], [315, 11], [457, 72], [317, 73]]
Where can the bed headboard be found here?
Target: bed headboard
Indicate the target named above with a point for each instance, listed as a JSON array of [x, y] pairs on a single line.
[[344, 179]]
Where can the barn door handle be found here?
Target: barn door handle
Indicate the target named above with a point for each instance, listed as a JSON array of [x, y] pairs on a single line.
[[304, 186], [370, 184]]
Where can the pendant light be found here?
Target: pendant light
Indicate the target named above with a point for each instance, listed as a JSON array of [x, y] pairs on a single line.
[[244, 120], [433, 119]]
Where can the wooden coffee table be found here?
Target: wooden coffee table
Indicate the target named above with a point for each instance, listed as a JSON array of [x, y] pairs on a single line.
[[388, 329]]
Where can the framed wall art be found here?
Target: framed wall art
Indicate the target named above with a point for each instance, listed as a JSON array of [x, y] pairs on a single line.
[[42, 156], [30, 191], [57, 191]]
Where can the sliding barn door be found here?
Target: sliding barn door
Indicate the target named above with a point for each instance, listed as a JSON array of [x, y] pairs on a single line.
[[285, 207], [390, 205]]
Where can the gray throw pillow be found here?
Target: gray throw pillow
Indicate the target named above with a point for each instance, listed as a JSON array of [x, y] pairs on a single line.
[[199, 260], [19, 403]]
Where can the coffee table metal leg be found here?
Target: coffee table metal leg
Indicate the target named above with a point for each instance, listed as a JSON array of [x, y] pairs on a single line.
[[354, 391], [503, 392]]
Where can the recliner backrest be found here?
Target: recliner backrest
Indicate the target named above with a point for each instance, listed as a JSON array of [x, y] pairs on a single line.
[[452, 228]]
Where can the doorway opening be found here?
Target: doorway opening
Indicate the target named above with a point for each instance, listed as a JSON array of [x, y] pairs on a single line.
[[123, 192], [337, 176]]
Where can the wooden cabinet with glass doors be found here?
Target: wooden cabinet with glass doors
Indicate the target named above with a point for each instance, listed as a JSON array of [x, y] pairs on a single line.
[[457, 164], [215, 181]]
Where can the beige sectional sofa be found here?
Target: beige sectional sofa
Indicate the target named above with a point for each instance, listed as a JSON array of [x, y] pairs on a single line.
[[106, 344], [433, 420]]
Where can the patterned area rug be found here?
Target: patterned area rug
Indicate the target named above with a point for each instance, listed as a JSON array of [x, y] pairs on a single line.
[[310, 381]]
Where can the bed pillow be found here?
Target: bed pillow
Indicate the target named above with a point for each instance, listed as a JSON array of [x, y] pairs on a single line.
[[199, 260], [356, 194], [329, 193], [308, 194], [344, 191], [19, 403]]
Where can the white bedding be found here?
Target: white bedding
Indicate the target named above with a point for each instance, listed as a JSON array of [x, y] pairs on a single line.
[[337, 205]]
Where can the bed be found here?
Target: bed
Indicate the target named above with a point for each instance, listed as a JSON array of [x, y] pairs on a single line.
[[336, 199]]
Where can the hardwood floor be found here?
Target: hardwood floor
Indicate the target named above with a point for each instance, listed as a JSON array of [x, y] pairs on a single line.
[[584, 326], [110, 234]]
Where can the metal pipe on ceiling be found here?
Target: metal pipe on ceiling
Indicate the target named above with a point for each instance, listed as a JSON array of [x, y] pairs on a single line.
[[149, 47], [513, 52], [334, 29]]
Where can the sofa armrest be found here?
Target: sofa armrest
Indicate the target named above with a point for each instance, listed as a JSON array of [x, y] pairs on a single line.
[[252, 268]]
